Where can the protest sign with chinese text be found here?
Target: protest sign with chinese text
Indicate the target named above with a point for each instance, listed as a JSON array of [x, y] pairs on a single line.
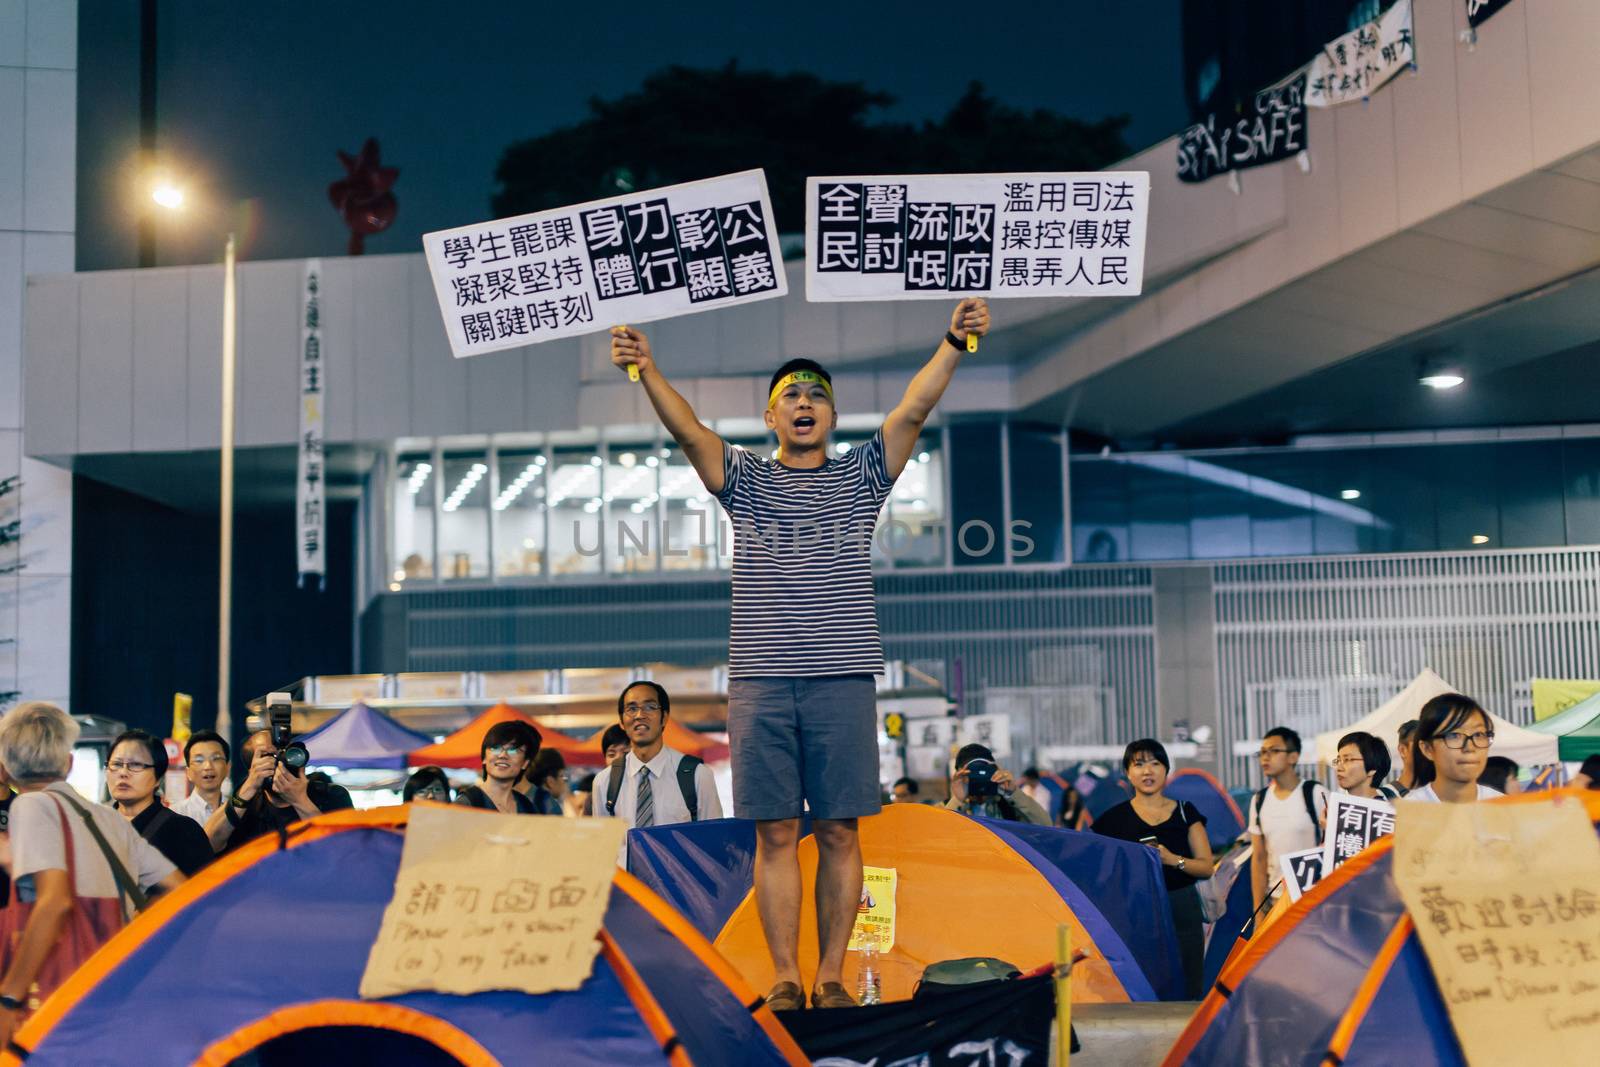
[[628, 259], [875, 915], [925, 237], [1352, 67], [1301, 871], [1353, 824], [1506, 902], [489, 901], [311, 474]]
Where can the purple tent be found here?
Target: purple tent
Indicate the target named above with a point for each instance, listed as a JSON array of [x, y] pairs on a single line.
[[361, 737]]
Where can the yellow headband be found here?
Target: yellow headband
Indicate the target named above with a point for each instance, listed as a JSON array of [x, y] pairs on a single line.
[[799, 376]]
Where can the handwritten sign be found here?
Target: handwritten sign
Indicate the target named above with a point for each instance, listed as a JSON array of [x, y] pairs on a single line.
[[1301, 871], [875, 914], [495, 901], [1506, 901], [1276, 131], [1353, 824], [1354, 66]]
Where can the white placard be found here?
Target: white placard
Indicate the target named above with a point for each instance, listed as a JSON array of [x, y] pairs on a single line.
[[311, 471], [1354, 66], [1301, 871], [934, 237], [641, 257], [1353, 824], [991, 731]]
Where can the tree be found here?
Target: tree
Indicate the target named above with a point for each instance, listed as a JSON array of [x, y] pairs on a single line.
[[684, 124]]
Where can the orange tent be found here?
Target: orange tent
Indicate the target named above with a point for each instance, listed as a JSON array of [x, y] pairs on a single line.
[[685, 740], [462, 748]]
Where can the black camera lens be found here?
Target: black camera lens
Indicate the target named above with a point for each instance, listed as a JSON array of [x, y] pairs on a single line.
[[295, 756]]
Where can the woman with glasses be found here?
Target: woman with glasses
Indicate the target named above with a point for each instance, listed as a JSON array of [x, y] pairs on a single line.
[[1177, 832], [547, 782], [428, 783], [1453, 738], [134, 774], [1361, 765], [506, 753]]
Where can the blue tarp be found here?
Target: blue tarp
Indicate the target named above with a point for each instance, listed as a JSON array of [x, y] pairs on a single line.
[[361, 737]]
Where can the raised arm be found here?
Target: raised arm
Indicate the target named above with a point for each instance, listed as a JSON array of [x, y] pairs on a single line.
[[904, 424], [700, 444]]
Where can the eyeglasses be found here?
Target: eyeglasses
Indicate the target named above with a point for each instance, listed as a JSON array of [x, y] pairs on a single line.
[[640, 711], [1457, 740], [1274, 751], [206, 761], [118, 766], [1348, 761], [1145, 763], [432, 791], [504, 750]]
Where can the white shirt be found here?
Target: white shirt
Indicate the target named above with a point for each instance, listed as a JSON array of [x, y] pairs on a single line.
[[194, 805], [1284, 826], [37, 844], [1427, 794], [666, 798]]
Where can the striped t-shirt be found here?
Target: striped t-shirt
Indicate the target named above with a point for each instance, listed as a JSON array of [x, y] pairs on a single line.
[[802, 563]]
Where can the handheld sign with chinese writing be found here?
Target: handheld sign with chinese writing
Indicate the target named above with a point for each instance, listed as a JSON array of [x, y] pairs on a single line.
[[488, 901], [875, 915], [1301, 871], [1353, 824], [582, 269], [926, 237], [1506, 902]]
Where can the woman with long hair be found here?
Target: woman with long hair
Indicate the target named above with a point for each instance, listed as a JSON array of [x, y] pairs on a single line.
[[1453, 738]]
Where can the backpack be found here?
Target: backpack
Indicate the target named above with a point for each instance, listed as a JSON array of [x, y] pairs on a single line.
[[687, 765], [1308, 791]]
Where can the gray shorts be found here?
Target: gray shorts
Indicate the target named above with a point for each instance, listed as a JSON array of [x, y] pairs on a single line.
[[799, 741]]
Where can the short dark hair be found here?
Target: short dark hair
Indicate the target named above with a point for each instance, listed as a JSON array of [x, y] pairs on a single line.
[[1374, 754], [968, 753], [614, 735], [1407, 731], [202, 736], [1497, 771], [511, 732], [1291, 740], [1438, 717], [157, 750], [1148, 746], [910, 783], [424, 778], [1032, 773], [661, 697], [799, 364], [546, 763]]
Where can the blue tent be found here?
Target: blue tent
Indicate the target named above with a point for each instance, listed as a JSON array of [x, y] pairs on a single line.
[[361, 737], [1224, 820], [294, 923]]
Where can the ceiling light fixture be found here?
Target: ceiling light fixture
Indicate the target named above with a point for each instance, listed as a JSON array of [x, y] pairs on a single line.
[[1349, 494], [1442, 380]]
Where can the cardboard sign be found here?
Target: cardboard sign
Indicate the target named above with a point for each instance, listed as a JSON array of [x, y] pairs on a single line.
[[1301, 870], [489, 901], [1353, 824], [937, 237], [991, 731], [1506, 901], [628, 259], [875, 915]]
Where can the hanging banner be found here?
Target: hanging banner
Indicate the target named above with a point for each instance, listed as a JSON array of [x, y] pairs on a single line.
[[1276, 131], [1353, 824], [1352, 67], [1481, 11], [925, 237], [583, 269], [311, 474]]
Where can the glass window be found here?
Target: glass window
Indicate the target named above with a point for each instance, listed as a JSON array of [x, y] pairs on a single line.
[[689, 525], [1158, 507], [631, 492], [519, 514], [1580, 465], [1468, 511], [1036, 495], [977, 494], [917, 508], [1531, 509], [464, 516], [574, 494], [1099, 511], [412, 498]]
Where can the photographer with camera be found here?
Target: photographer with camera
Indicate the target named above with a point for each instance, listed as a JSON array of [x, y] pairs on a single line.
[[980, 786], [275, 791]]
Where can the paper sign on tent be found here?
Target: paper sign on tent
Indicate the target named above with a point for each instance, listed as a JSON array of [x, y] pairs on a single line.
[[875, 916], [488, 901]]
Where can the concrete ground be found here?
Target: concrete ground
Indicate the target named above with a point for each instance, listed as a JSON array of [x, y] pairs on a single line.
[[1127, 1035]]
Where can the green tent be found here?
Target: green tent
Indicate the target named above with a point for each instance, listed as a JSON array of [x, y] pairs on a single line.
[[1577, 729]]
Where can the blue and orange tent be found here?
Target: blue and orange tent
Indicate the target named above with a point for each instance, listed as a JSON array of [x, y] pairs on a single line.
[[271, 941], [362, 737], [1224, 820], [966, 887], [1340, 977]]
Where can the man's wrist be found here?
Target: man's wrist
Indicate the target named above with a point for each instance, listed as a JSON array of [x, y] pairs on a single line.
[[957, 343], [11, 1003]]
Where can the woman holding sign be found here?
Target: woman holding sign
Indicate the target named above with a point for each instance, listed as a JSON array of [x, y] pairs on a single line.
[[804, 646]]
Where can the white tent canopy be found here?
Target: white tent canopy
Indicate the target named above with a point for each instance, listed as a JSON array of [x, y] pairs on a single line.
[[1524, 746]]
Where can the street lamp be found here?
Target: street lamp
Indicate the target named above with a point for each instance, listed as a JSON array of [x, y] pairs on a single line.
[[171, 198]]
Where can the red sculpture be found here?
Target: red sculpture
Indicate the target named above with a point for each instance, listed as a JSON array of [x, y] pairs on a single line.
[[362, 196]]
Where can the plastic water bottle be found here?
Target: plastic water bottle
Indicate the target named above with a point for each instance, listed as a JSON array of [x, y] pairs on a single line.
[[868, 986]]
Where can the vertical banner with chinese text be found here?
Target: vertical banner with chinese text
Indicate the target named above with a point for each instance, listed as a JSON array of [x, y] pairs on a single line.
[[311, 474]]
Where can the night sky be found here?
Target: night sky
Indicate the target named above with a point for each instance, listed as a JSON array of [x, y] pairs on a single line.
[[254, 99]]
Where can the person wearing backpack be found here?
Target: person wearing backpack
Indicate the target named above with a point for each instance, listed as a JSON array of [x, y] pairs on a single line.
[[653, 784], [1361, 765], [1286, 816]]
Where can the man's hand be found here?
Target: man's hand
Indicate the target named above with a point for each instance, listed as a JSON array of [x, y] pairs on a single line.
[[630, 348], [291, 787], [958, 786], [1004, 782], [259, 775], [970, 316]]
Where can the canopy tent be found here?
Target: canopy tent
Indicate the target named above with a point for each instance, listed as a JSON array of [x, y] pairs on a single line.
[[361, 737], [1224, 821], [657, 988], [685, 740], [1514, 742], [1339, 978], [967, 887], [463, 748], [1577, 730]]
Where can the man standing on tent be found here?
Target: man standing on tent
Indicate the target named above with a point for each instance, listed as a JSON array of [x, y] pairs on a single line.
[[804, 645]]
